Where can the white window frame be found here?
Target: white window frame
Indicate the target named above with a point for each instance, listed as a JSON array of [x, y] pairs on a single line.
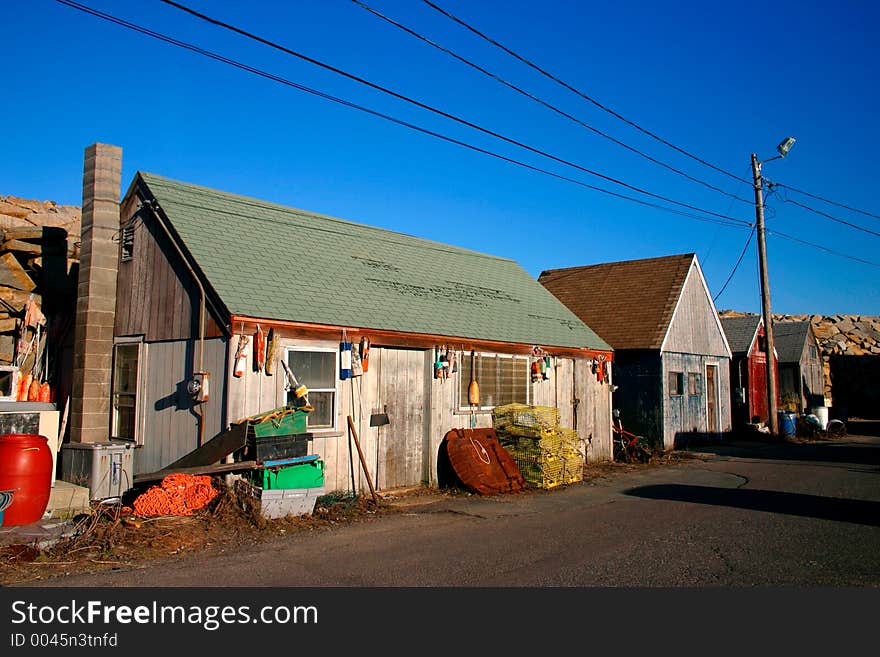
[[463, 407], [139, 419], [337, 400]]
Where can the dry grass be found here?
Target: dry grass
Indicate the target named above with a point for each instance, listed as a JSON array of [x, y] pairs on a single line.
[[110, 537]]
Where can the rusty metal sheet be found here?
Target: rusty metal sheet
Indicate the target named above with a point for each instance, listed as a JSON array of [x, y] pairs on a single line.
[[481, 463]]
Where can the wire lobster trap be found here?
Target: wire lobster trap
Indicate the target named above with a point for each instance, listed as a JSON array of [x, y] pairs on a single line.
[[547, 454], [525, 420]]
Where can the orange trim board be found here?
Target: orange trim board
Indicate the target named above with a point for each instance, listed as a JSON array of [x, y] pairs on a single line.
[[384, 337]]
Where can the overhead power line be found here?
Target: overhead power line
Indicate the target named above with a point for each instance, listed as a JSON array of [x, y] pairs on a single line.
[[832, 218], [542, 102], [824, 200], [578, 92], [736, 266], [792, 238], [275, 78], [442, 113]]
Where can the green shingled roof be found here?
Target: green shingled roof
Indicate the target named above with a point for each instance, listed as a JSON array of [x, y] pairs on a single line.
[[276, 262]]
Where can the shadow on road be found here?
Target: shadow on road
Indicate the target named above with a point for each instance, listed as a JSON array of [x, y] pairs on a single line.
[[862, 512], [829, 452]]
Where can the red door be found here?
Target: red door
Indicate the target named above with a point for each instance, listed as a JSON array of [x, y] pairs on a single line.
[[758, 387]]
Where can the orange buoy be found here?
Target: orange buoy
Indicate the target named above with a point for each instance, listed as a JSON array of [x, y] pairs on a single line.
[[259, 349], [34, 391], [24, 386]]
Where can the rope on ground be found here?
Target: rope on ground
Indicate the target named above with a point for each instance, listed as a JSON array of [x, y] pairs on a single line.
[[178, 495]]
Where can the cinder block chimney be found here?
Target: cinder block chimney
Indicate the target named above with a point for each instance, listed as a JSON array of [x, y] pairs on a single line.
[[96, 294]]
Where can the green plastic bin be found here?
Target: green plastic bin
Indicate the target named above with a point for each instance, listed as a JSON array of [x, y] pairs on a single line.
[[281, 421], [303, 475]]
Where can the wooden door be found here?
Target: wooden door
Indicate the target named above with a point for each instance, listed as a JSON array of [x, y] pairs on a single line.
[[711, 398], [402, 395]]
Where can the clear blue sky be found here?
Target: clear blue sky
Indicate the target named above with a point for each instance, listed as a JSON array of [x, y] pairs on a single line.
[[721, 80]]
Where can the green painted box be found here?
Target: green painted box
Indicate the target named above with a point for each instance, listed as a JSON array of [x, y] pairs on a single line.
[[304, 475], [281, 421]]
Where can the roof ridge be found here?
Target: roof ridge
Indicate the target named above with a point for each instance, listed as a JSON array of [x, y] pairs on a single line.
[[617, 262], [230, 196]]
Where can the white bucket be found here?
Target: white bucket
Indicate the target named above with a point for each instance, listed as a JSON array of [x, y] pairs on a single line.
[[821, 412]]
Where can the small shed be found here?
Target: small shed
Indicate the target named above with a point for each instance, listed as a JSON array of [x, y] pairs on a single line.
[[672, 360], [205, 275], [748, 368], [801, 382]]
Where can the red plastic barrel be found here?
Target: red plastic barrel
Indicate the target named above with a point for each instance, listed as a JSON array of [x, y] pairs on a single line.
[[26, 470]]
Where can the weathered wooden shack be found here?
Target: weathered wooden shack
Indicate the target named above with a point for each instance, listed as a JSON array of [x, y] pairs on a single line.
[[672, 361], [200, 268], [801, 382], [748, 368]]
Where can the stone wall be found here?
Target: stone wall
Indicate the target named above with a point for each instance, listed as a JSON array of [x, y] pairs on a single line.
[[841, 339], [23, 213], [39, 251]]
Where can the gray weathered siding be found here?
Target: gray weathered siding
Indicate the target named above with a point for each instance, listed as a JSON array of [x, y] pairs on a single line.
[[684, 414], [695, 327], [165, 409], [421, 410]]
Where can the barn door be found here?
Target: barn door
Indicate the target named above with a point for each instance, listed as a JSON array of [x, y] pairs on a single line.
[[402, 395], [711, 398]]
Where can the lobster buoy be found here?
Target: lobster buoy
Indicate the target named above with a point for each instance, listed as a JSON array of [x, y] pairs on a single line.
[[24, 387], [547, 367], [345, 358], [536, 371], [365, 353], [241, 356], [259, 349], [357, 368], [271, 351], [34, 391], [45, 393]]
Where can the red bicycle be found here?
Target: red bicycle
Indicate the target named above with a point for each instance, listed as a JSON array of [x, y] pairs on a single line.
[[628, 447]]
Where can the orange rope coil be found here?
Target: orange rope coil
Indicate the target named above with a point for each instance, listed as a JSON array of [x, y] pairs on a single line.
[[178, 495]]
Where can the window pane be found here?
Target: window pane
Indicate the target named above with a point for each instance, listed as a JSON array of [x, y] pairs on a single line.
[[322, 416], [125, 366], [502, 379], [487, 378], [125, 373], [513, 375], [313, 369]]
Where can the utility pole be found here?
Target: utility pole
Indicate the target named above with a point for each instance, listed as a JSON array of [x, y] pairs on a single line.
[[765, 297]]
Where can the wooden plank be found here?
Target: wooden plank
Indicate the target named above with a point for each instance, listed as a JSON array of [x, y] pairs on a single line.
[[216, 449], [8, 325], [219, 468], [12, 274]]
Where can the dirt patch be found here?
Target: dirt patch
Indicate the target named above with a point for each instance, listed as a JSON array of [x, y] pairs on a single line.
[[112, 538]]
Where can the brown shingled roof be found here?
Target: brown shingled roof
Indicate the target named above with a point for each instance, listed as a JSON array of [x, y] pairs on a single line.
[[629, 304]]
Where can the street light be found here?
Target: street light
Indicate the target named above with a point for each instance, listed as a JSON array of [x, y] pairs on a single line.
[[783, 148]]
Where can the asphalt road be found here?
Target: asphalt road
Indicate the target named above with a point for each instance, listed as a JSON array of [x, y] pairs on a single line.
[[746, 515]]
